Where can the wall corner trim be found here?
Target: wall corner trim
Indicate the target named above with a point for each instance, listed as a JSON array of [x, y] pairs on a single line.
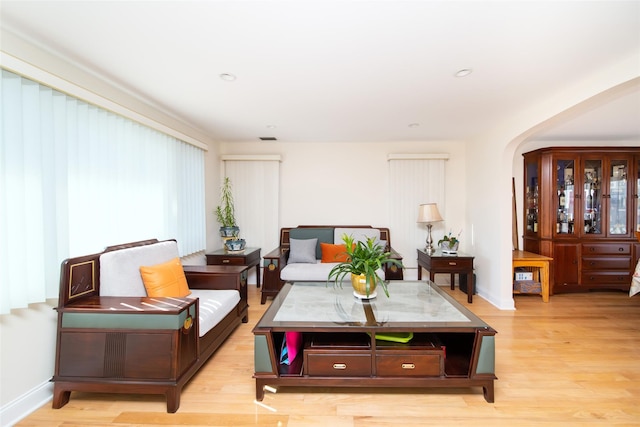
[[252, 157], [419, 156]]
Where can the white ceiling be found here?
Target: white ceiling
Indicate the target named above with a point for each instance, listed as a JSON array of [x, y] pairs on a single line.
[[346, 70]]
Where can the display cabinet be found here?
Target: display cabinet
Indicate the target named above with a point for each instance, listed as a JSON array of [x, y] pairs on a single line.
[[582, 209]]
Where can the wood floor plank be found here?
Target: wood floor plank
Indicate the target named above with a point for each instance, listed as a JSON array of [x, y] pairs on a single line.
[[571, 362]]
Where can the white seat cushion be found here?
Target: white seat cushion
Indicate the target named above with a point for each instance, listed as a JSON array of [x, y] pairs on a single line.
[[318, 272], [307, 272], [214, 305]]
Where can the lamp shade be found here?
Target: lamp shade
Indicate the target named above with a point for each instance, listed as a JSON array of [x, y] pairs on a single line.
[[429, 213]]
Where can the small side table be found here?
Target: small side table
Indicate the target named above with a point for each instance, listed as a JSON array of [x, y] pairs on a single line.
[[437, 262], [541, 262], [249, 257]]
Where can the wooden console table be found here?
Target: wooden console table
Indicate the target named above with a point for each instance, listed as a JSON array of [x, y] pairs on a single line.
[[541, 262]]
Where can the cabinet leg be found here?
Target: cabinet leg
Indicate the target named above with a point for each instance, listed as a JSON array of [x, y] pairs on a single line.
[[60, 397], [259, 390], [173, 399], [488, 392]]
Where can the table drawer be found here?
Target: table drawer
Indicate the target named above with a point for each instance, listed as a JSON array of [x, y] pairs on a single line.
[[447, 264], [410, 364], [341, 364], [610, 263], [219, 260]]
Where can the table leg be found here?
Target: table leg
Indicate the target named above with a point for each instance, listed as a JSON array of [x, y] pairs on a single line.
[[470, 289], [258, 275], [419, 272], [545, 282]]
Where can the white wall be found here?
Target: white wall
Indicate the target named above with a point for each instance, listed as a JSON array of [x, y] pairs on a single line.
[[348, 183], [28, 342]]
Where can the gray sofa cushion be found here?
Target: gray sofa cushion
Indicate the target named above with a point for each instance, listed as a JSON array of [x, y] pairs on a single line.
[[324, 235], [302, 251]]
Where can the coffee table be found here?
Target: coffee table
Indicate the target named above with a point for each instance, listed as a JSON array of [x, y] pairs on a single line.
[[342, 345]]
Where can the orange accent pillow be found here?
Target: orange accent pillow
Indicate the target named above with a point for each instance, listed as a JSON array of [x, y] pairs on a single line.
[[333, 253], [165, 280]]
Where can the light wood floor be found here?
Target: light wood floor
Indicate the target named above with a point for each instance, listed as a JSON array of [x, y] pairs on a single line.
[[573, 361]]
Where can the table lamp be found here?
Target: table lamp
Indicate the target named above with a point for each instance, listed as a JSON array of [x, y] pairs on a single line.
[[428, 214]]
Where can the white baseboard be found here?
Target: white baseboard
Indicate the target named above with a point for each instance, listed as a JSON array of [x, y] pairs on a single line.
[[19, 408]]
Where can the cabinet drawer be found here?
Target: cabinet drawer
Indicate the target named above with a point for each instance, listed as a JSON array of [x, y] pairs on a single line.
[[606, 248], [342, 364], [606, 278], [410, 364], [621, 263]]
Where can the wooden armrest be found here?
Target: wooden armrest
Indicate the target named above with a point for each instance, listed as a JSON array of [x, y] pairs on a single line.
[[216, 277], [111, 305]]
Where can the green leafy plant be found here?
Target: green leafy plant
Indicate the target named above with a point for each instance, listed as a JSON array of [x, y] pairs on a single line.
[[364, 258], [225, 213], [451, 240]]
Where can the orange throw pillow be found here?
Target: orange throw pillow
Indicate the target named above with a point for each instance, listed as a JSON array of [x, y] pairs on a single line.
[[333, 253], [165, 280]]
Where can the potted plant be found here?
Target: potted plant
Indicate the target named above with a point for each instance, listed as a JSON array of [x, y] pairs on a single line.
[[449, 244], [225, 213], [364, 260]]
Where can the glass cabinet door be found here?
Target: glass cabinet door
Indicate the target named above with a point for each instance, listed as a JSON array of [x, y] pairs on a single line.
[[565, 202], [532, 196], [592, 197], [617, 212]]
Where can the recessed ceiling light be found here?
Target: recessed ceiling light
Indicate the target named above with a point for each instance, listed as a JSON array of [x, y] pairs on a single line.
[[227, 77], [464, 72], [414, 125]]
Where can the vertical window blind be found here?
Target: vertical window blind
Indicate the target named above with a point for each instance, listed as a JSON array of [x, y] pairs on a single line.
[[412, 182], [256, 188], [75, 178]]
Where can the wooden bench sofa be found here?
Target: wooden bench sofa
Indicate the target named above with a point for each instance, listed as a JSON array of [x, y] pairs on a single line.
[[113, 338], [278, 269]]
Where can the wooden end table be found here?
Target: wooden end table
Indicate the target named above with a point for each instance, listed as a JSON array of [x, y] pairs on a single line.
[[249, 257], [541, 262], [437, 262]]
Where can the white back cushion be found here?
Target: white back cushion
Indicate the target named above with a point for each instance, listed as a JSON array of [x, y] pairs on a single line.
[[359, 234], [120, 270]]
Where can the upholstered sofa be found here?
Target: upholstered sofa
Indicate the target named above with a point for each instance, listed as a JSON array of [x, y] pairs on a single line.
[[128, 322], [306, 252]]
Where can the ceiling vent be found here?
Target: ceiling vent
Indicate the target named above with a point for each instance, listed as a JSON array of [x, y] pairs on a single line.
[[268, 138]]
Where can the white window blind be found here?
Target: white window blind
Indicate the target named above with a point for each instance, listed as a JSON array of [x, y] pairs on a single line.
[[75, 178], [256, 184], [413, 180]]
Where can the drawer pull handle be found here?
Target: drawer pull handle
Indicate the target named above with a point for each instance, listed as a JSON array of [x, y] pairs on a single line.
[[453, 263], [408, 366], [339, 366], [226, 261], [620, 249]]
